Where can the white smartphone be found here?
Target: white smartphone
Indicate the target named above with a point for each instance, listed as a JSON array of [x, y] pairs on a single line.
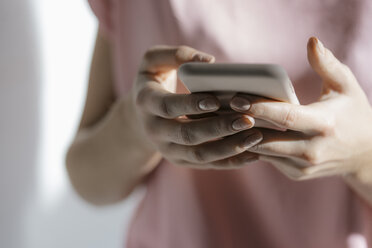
[[225, 80]]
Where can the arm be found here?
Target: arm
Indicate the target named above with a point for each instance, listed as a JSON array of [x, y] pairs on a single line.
[[109, 155]]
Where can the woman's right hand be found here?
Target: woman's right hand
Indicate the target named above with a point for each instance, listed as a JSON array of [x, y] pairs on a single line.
[[217, 142]]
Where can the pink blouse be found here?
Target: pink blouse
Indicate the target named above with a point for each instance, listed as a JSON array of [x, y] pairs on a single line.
[[255, 206]]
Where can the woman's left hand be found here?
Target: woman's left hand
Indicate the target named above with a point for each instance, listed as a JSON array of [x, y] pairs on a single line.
[[328, 137]]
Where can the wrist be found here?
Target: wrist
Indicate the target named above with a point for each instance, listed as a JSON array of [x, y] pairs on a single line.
[[130, 119], [360, 185], [363, 174], [363, 169]]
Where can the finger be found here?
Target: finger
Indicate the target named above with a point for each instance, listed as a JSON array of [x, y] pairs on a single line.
[[286, 166], [235, 162], [216, 150], [285, 115], [164, 58], [298, 171], [336, 76], [160, 102], [284, 144], [194, 132]]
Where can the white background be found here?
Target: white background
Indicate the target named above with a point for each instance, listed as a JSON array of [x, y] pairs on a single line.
[[45, 48]]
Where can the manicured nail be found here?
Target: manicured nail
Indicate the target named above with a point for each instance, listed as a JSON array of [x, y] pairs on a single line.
[[242, 123], [319, 46], [252, 140], [240, 103], [208, 104]]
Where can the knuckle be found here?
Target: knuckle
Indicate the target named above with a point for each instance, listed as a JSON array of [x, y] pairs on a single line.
[[312, 156], [165, 108], [289, 118], [213, 128], [220, 127], [197, 155], [328, 126], [186, 135]]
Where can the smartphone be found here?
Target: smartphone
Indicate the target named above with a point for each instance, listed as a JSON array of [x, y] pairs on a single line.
[[225, 80], [267, 80]]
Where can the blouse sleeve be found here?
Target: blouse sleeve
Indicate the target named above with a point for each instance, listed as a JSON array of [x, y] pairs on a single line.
[[103, 11]]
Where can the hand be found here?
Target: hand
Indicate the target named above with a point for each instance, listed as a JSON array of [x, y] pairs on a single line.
[[199, 143], [328, 137]]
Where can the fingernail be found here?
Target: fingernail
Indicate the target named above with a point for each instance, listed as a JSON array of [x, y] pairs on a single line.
[[202, 57], [319, 46], [242, 123], [208, 104], [252, 140], [240, 103]]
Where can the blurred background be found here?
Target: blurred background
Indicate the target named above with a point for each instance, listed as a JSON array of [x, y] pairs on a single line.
[[45, 53]]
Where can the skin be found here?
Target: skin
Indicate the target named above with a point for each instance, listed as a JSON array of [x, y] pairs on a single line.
[[185, 141], [108, 156], [120, 141], [329, 137]]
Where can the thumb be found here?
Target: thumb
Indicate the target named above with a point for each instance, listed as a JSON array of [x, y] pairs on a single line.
[[335, 75], [159, 62], [162, 59]]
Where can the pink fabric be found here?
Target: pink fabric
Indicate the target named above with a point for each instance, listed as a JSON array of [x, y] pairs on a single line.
[[255, 206]]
